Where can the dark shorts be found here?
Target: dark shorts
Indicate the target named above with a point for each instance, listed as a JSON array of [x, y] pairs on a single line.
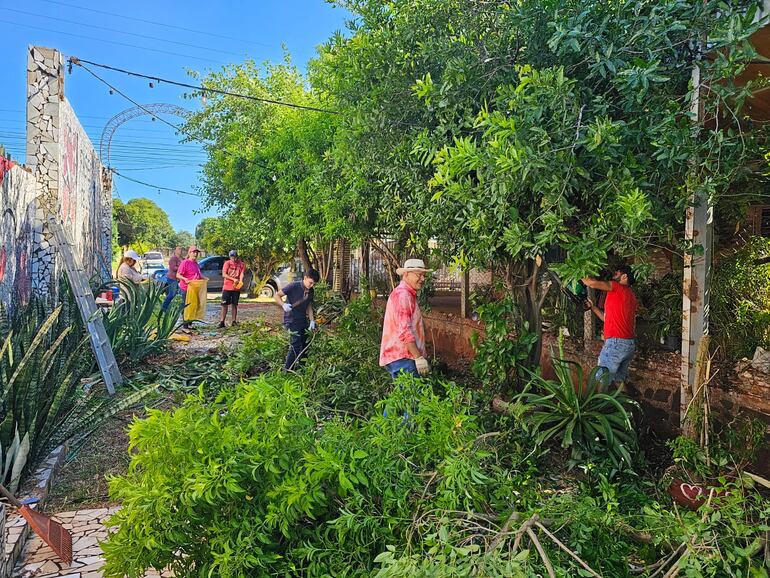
[[230, 297]]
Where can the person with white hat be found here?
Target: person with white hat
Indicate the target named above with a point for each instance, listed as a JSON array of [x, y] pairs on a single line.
[[403, 334], [126, 271]]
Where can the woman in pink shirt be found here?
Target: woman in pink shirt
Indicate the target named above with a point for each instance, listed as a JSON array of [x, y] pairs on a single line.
[[188, 271], [403, 334]]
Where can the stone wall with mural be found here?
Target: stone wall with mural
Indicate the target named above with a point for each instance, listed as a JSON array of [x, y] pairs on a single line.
[[17, 223], [72, 186]]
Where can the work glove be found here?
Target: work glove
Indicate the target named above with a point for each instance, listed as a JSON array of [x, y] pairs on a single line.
[[312, 326], [423, 367], [286, 307]]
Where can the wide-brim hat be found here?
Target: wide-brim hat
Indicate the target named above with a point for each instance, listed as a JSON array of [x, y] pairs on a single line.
[[413, 266]]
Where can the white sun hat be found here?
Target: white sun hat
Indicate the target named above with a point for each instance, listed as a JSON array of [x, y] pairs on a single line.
[[413, 266], [131, 254]]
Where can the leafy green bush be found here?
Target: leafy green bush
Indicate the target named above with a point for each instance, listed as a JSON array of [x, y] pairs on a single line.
[[251, 485], [507, 342], [585, 420], [740, 301], [342, 369], [260, 350]]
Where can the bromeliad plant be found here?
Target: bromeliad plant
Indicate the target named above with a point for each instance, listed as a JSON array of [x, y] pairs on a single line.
[[136, 326], [583, 418]]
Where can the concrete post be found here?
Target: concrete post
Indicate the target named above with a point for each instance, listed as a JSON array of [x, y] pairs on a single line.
[[697, 276]]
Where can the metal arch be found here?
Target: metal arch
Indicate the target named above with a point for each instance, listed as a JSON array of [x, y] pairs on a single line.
[[105, 142]]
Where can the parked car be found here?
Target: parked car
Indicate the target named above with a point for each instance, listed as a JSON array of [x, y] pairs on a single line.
[[152, 261], [159, 275], [211, 267]]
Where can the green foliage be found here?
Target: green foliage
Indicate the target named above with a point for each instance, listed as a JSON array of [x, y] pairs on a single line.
[[585, 420], [661, 302], [135, 325], [729, 451], [506, 345], [44, 356], [142, 224], [251, 485], [182, 239], [342, 370], [253, 237], [261, 350], [740, 301]]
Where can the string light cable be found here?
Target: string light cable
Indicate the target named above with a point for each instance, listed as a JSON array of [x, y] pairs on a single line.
[[74, 60], [150, 185]]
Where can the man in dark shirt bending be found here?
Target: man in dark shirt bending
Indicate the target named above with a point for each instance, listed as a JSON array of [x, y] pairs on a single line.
[[619, 318], [297, 311]]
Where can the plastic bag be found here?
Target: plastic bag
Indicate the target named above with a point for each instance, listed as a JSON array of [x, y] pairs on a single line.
[[195, 305]]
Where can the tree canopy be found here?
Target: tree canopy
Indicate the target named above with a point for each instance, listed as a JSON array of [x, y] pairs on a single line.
[[142, 224]]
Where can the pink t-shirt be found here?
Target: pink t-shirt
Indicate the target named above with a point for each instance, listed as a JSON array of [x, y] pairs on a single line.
[[189, 269], [403, 324]]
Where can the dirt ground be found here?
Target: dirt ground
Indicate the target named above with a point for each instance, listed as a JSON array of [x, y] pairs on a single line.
[[82, 482]]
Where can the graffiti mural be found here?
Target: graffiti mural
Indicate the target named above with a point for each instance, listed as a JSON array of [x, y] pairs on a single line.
[[17, 219]]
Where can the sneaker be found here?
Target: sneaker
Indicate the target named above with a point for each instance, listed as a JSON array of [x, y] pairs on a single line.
[[221, 325]]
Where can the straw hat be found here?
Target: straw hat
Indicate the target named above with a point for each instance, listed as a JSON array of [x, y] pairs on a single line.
[[413, 266]]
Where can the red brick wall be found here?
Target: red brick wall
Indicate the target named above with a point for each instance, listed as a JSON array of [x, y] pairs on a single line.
[[654, 373]]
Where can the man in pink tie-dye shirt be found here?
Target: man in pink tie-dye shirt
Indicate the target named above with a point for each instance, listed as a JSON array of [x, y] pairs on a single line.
[[403, 333]]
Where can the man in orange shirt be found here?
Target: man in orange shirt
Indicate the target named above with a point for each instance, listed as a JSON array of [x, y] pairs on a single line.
[[232, 272], [619, 318]]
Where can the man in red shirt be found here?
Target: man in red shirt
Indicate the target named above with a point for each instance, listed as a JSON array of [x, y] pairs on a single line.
[[232, 272], [619, 318]]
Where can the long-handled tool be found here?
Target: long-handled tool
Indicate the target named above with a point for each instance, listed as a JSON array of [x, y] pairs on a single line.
[[51, 531], [576, 299]]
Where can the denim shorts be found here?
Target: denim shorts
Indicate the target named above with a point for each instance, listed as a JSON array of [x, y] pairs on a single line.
[[615, 357]]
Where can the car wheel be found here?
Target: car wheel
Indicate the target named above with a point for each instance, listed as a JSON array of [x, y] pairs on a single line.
[[267, 291]]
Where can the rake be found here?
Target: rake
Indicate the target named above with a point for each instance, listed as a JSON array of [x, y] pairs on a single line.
[[51, 531]]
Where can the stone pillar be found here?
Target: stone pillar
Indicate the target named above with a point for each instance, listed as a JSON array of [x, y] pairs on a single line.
[[105, 241], [45, 92]]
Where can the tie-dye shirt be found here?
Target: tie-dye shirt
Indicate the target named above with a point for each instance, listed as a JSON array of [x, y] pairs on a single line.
[[402, 325]]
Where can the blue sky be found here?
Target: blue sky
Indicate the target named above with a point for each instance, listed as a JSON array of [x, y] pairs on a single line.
[[163, 38]]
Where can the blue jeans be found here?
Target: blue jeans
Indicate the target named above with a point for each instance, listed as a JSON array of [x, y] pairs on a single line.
[[173, 291], [406, 365], [297, 344], [615, 357]]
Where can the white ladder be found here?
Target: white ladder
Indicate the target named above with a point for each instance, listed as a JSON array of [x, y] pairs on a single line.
[[105, 357]]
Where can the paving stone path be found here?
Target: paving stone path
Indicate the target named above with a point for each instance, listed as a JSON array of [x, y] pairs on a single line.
[[87, 527]]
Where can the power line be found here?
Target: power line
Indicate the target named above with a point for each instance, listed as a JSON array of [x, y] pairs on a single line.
[[145, 36], [150, 185], [110, 41], [158, 23], [202, 89]]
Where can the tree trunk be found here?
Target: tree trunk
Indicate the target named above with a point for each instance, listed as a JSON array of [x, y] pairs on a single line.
[[363, 277], [303, 255], [522, 278]]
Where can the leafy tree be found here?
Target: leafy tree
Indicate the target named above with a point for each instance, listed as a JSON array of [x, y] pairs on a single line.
[[181, 239], [269, 162], [508, 131], [249, 235], [143, 224]]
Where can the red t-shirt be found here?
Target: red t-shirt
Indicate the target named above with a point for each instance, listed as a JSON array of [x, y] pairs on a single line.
[[620, 312], [234, 270]]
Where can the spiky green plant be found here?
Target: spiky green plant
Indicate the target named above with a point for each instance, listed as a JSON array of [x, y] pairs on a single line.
[[136, 326], [577, 412]]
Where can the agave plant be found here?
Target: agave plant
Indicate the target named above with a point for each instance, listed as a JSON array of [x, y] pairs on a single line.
[[136, 326], [581, 417]]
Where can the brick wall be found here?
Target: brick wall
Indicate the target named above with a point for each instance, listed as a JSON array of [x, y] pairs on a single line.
[[654, 373]]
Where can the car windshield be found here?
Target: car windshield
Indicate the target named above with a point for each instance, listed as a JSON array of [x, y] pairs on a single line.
[[153, 256]]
